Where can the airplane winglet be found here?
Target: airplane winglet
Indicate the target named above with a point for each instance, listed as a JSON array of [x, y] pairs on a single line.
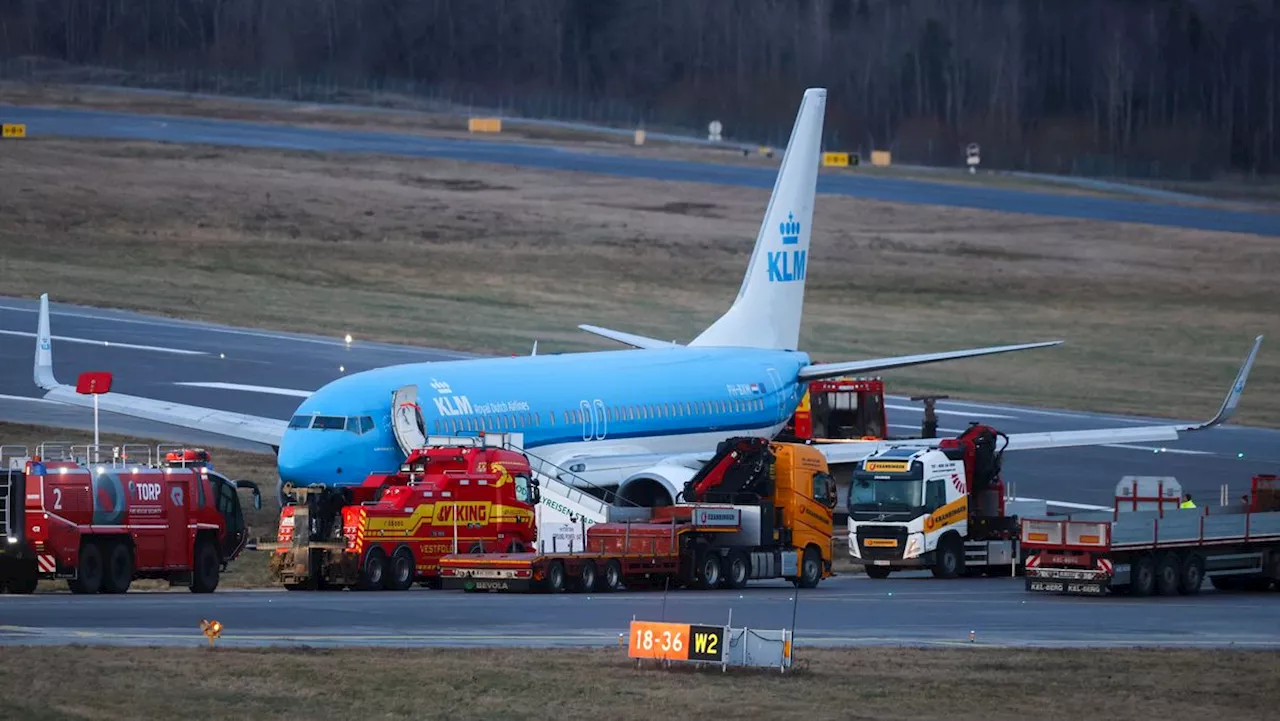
[[631, 339], [43, 371], [1233, 394]]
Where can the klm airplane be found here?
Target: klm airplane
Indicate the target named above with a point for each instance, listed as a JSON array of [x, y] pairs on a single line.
[[638, 420]]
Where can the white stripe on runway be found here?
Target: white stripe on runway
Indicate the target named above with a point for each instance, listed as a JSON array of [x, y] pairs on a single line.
[[4, 397], [1065, 504], [1152, 449], [251, 389], [941, 412], [108, 344]]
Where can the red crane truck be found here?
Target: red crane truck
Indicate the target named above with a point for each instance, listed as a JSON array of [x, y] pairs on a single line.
[[758, 510], [102, 525], [1148, 545], [392, 529]]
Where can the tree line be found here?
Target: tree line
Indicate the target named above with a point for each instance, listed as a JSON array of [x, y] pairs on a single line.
[[1169, 88]]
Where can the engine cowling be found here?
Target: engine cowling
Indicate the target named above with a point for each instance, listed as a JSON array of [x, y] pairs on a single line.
[[654, 486]]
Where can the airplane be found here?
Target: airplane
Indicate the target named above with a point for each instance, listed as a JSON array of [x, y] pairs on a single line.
[[640, 420]]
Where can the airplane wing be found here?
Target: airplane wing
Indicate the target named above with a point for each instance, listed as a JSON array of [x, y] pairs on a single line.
[[635, 341], [258, 429], [817, 371]]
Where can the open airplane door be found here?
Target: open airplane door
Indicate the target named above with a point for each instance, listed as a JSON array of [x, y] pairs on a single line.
[[406, 419]]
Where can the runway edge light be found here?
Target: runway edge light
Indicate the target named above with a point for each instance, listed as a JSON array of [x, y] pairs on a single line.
[[211, 630]]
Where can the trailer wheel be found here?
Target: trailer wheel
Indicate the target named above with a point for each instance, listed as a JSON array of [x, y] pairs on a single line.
[[402, 570], [612, 575], [587, 577], [1192, 575], [89, 572], [555, 577], [204, 577], [119, 571], [1168, 574], [877, 571], [810, 569], [737, 570], [949, 562], [374, 570], [1142, 579]]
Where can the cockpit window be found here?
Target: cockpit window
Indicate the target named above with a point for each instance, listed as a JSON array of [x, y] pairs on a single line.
[[366, 424], [330, 423], [300, 422]]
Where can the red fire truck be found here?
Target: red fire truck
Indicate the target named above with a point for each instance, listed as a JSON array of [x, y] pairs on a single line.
[[392, 529], [101, 525]]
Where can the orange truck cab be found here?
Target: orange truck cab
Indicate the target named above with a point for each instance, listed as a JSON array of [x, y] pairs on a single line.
[[391, 530]]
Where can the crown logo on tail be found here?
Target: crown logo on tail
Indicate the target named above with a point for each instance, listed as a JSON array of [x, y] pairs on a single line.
[[790, 230], [440, 386]]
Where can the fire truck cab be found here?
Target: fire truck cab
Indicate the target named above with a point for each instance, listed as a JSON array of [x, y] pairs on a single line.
[[839, 409]]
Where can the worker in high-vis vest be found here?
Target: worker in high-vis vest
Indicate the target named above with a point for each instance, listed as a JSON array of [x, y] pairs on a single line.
[[1187, 502]]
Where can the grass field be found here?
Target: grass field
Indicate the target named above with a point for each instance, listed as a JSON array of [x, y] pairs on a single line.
[[919, 684], [489, 258]]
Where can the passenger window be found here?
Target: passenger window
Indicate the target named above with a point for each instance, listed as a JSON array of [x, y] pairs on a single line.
[[935, 494]]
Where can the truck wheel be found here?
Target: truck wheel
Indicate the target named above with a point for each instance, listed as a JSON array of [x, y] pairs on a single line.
[[89, 571], [587, 580], [1168, 573], [204, 577], [402, 570], [708, 571], [515, 547], [374, 570], [878, 572], [119, 571], [24, 583], [555, 577], [1192, 575], [1142, 579], [737, 570], [810, 569], [949, 562], [612, 575]]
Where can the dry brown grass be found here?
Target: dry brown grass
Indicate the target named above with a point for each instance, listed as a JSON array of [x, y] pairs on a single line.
[[250, 569], [488, 258], [952, 684]]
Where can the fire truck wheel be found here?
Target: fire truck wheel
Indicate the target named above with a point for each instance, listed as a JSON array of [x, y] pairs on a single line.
[[1192, 577], [810, 568], [587, 577], [555, 577], [24, 583], [119, 570], [1142, 577], [402, 570], [374, 570], [737, 569], [89, 572], [204, 577], [1168, 572], [878, 572], [612, 580]]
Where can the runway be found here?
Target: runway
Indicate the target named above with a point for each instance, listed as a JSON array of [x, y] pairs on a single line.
[[44, 122], [843, 611]]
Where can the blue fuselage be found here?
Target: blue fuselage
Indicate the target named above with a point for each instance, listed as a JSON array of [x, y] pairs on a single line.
[[668, 400]]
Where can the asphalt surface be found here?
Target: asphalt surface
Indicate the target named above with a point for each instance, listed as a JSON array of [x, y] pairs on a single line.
[[123, 126], [843, 611]]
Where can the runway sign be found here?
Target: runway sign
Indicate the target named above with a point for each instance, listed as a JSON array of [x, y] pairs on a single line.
[[835, 160], [676, 642], [484, 125], [880, 158], [15, 130]]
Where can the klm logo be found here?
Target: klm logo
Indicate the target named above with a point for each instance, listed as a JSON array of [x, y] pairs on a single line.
[[786, 266], [453, 405]]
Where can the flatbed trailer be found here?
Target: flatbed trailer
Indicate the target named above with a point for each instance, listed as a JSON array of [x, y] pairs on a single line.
[[704, 546], [1158, 548]]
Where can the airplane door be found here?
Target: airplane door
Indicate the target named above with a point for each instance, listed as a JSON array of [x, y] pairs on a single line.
[[779, 399], [406, 419], [588, 423], [601, 421]]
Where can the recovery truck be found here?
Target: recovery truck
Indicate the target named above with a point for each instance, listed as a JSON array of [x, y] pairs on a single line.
[[838, 409], [100, 525], [757, 510], [391, 530], [1148, 545], [941, 508]]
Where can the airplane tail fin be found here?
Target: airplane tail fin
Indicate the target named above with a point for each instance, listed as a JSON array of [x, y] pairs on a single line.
[[766, 313]]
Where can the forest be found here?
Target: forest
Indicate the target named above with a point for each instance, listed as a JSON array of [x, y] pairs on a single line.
[[1179, 89]]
